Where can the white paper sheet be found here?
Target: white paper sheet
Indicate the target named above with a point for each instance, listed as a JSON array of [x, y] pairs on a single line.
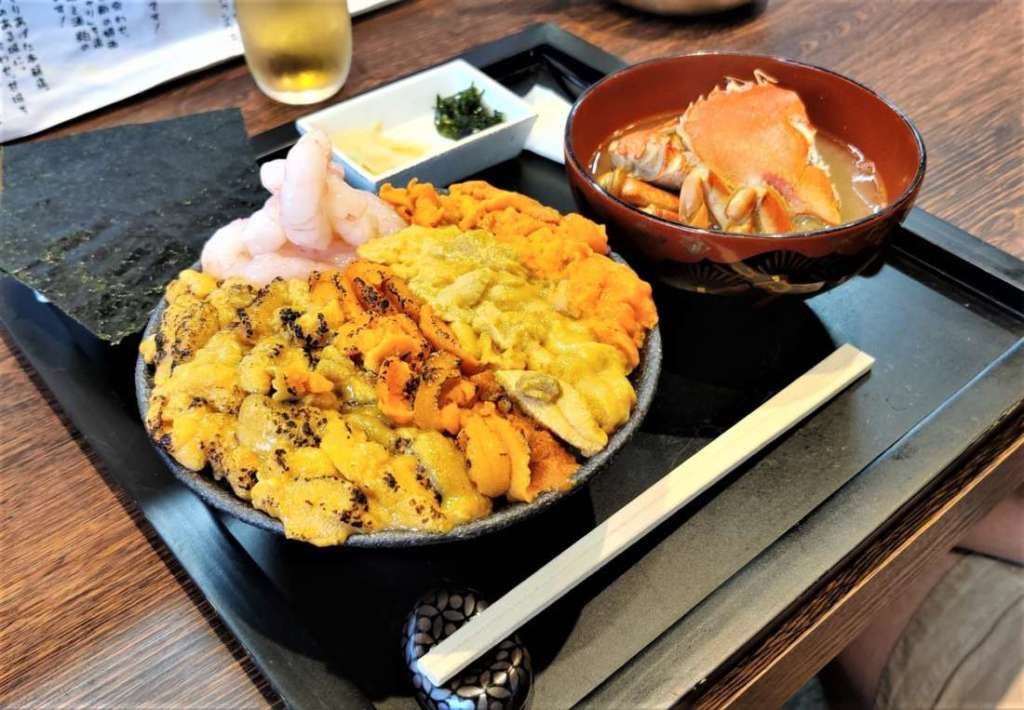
[[63, 58], [548, 133]]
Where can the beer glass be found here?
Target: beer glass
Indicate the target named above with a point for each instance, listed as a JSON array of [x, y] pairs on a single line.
[[299, 51]]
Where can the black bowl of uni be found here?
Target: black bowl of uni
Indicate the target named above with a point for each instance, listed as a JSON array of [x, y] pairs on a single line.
[[219, 495]]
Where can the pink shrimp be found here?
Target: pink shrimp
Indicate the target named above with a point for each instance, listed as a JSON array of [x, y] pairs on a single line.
[[225, 254], [264, 268], [358, 216], [305, 181], [313, 220], [337, 254], [272, 175], [263, 233], [291, 261]]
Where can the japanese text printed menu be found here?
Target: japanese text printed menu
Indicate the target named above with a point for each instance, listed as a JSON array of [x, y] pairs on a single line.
[[63, 58]]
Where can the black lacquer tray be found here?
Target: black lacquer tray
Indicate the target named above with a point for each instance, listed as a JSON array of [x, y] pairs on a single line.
[[944, 316]]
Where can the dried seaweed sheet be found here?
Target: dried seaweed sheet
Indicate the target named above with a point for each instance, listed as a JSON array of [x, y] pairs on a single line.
[[100, 222]]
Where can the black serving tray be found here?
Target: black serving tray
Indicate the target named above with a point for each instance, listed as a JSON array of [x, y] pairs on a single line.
[[944, 316]]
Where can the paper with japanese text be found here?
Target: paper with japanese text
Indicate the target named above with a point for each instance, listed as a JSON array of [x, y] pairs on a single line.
[[63, 58]]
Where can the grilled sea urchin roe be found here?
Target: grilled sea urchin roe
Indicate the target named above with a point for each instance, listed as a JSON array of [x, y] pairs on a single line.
[[444, 464], [189, 401], [258, 384], [404, 496]]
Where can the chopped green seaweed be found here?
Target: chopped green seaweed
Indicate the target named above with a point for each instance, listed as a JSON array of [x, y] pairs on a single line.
[[100, 222], [461, 114]]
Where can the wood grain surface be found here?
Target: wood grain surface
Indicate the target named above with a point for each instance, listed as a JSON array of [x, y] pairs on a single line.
[[93, 612]]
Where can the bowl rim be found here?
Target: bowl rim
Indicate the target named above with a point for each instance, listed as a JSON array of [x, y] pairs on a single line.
[[889, 209], [216, 494]]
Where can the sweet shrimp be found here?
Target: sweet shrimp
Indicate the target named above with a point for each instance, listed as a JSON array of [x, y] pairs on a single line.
[[312, 221], [305, 181], [225, 254]]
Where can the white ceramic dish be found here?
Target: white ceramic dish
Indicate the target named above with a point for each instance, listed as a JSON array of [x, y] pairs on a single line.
[[405, 110]]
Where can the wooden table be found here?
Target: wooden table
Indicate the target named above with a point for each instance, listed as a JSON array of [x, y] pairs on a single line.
[[94, 611]]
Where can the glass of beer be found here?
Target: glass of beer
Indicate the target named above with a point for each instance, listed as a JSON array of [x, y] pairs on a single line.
[[299, 51]]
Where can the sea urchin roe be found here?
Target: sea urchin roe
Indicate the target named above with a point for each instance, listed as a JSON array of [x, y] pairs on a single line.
[[569, 249], [249, 381], [506, 318], [288, 393]]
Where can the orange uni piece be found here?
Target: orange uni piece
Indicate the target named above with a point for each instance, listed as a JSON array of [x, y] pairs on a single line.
[[441, 337], [392, 379]]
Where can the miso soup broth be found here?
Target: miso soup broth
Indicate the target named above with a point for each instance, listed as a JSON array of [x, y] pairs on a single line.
[[858, 185]]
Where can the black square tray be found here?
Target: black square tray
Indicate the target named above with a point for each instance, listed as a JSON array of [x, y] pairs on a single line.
[[943, 317]]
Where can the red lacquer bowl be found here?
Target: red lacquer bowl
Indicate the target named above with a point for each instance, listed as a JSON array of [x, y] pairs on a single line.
[[716, 262]]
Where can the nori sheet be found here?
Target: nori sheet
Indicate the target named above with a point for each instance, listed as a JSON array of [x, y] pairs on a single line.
[[100, 222]]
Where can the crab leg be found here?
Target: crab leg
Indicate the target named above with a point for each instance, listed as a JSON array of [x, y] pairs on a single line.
[[612, 180], [653, 155], [671, 215], [637, 192], [701, 196]]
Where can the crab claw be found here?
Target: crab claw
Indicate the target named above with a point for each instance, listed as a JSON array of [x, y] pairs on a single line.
[[637, 192]]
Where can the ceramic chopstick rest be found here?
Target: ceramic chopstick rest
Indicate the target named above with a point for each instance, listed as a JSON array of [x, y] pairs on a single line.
[[502, 679]]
